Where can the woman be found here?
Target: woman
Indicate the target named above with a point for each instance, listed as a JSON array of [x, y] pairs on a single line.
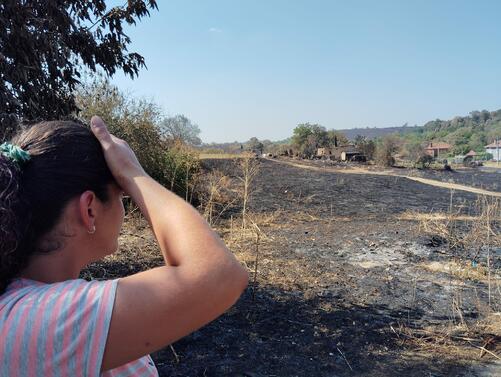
[[60, 209]]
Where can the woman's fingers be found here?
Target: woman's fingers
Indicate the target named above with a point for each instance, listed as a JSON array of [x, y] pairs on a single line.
[[101, 131], [120, 158]]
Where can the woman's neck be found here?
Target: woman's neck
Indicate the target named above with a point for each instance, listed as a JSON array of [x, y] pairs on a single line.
[[53, 267]]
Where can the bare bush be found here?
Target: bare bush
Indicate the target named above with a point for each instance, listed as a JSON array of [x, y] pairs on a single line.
[[249, 168], [386, 150], [472, 238], [182, 165], [214, 196]]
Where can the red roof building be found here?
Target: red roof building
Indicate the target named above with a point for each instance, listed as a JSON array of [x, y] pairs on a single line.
[[435, 149]]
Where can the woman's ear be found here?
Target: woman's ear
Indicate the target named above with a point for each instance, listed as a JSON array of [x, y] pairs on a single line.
[[88, 210]]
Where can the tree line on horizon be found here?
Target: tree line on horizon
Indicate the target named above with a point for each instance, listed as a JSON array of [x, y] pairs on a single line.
[[471, 132]]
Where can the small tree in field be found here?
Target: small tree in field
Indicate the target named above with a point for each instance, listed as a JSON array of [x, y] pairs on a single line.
[[386, 150], [249, 168]]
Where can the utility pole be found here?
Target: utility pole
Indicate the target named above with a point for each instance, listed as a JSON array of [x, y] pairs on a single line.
[[497, 152]]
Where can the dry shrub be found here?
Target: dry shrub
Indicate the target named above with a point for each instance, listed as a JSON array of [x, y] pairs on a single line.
[[181, 169], [453, 339], [472, 242], [249, 168], [461, 232], [215, 195], [386, 150]]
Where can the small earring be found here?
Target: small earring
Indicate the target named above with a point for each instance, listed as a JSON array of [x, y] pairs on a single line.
[[93, 230]]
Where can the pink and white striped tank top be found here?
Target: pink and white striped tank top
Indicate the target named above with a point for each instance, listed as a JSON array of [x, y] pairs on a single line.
[[59, 330]]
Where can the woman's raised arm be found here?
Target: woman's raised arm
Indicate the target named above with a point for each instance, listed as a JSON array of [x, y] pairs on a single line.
[[200, 281]]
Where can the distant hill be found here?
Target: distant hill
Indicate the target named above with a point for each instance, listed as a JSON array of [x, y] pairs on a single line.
[[373, 133]]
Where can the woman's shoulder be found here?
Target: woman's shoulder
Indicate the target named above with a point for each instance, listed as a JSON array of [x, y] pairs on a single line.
[[50, 320], [21, 288], [28, 297]]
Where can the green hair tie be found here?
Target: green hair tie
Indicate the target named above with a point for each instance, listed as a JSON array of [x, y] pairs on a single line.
[[15, 153]]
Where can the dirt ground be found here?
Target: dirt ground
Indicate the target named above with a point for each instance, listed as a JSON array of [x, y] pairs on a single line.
[[345, 284]]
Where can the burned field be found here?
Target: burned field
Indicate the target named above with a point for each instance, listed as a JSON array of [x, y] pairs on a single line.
[[343, 281]]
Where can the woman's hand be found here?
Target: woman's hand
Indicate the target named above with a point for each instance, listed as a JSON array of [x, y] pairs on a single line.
[[119, 156]]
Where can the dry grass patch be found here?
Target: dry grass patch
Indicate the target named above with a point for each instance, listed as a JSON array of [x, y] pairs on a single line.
[[477, 342], [457, 269], [222, 156]]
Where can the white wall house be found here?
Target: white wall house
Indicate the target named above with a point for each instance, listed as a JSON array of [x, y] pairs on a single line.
[[495, 150]]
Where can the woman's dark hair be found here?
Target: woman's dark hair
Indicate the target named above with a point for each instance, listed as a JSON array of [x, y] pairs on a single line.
[[66, 160]]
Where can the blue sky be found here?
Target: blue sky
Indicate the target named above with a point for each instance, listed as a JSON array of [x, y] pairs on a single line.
[[258, 68]]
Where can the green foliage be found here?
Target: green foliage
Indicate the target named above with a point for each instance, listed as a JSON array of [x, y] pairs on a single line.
[[485, 156], [167, 160], [472, 132], [46, 45], [129, 119], [307, 138]]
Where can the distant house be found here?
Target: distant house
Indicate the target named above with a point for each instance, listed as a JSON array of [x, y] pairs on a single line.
[[437, 149], [323, 152], [337, 151], [470, 156], [346, 153], [494, 149]]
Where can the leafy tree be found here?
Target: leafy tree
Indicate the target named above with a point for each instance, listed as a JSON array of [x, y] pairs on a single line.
[[301, 133], [180, 129], [128, 118], [478, 141], [45, 46], [255, 145], [308, 137], [170, 162]]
